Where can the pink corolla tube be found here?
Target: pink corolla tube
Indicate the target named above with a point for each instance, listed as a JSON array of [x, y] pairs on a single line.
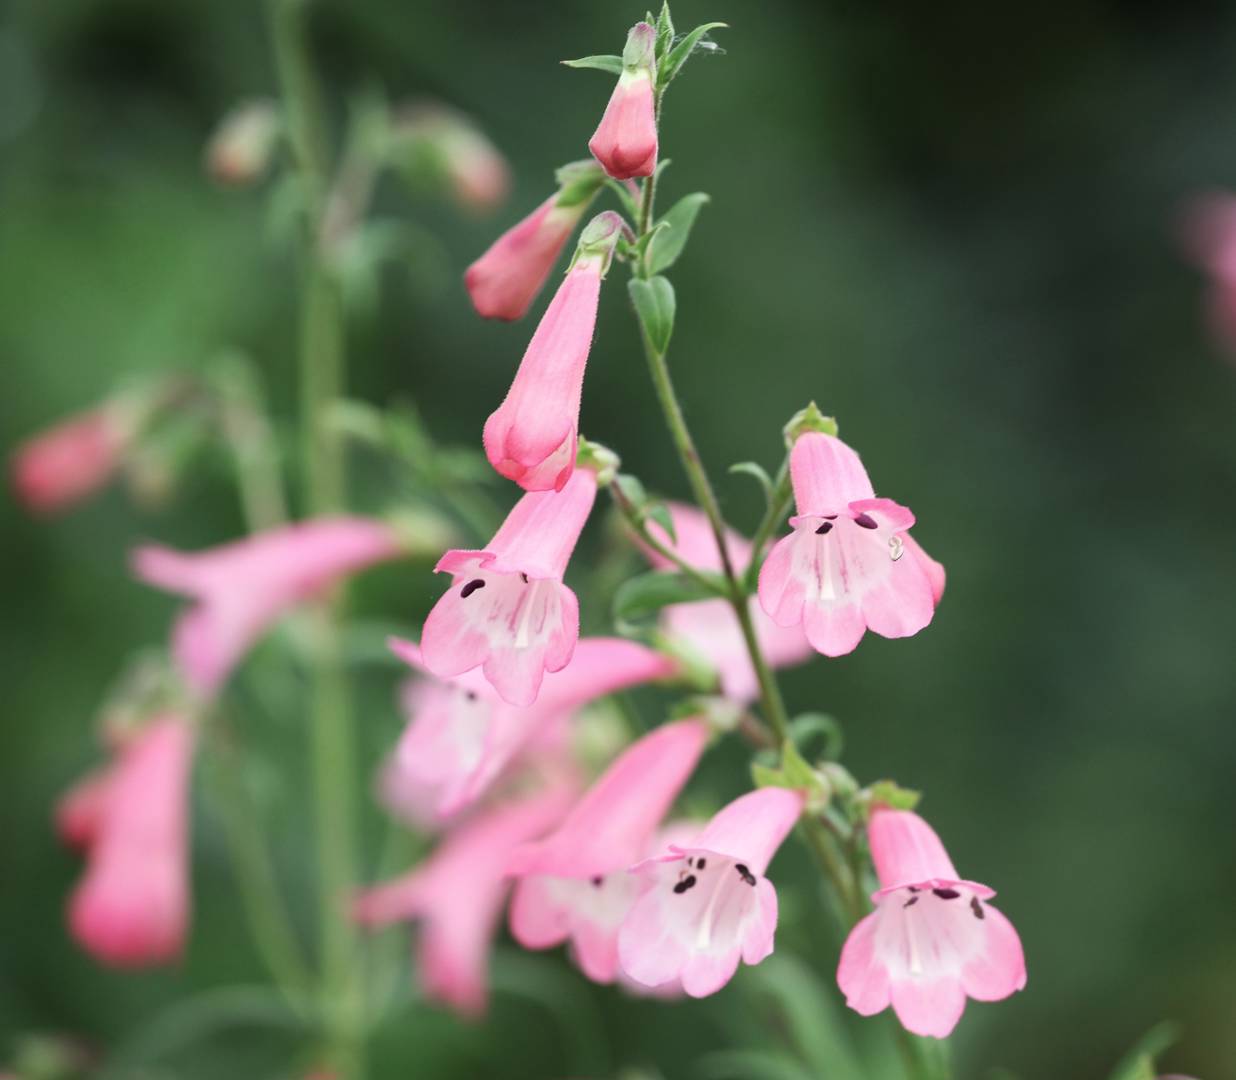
[[66, 463], [625, 142], [934, 938]]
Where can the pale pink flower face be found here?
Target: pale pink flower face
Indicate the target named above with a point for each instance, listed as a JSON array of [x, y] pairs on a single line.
[[132, 906], [846, 568], [707, 905], [462, 737], [574, 884], [64, 464], [934, 938], [532, 437], [710, 626], [507, 610], [625, 142], [507, 278], [457, 896], [243, 587]]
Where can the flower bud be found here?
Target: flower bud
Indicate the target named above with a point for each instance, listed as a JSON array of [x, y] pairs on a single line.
[[242, 147], [805, 420], [455, 151], [625, 142]]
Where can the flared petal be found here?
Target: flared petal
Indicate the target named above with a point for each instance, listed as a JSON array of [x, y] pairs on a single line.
[[862, 976], [998, 969], [933, 570], [929, 1008]]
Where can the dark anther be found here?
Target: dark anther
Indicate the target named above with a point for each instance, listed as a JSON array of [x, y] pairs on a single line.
[[909, 903], [597, 881], [946, 894], [866, 521], [977, 908], [471, 695], [745, 874], [914, 888], [700, 863], [525, 577], [685, 884], [831, 517], [824, 529], [471, 587]]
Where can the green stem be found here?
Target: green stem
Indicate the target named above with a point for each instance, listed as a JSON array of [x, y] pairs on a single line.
[[779, 500]]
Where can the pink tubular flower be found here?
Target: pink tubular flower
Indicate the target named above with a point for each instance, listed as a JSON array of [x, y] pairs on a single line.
[[457, 895], [710, 626], [243, 587], [933, 938], [132, 907], [574, 884], [625, 142], [708, 904], [462, 736], [64, 464], [533, 435], [507, 610], [842, 570], [80, 811]]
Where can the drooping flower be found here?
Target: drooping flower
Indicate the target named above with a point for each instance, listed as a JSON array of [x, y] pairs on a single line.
[[428, 136], [457, 896], [532, 437], [73, 459], [507, 610], [625, 142], [847, 566], [710, 626], [708, 905], [933, 939], [1209, 237], [573, 885], [241, 588], [462, 736], [507, 278], [132, 906]]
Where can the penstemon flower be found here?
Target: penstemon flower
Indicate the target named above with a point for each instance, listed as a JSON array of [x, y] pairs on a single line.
[[457, 896], [66, 463], [462, 736], [708, 904], [504, 281], [507, 610], [132, 906], [933, 940], [846, 568], [625, 142], [241, 588], [574, 885], [532, 437]]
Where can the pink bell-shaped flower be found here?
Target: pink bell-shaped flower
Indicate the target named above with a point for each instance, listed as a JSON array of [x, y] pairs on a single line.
[[625, 142], [574, 884], [507, 610], [849, 565], [708, 904], [934, 938]]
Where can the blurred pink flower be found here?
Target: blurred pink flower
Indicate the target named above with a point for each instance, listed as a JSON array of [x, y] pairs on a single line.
[[507, 610], [710, 626], [1208, 234], [241, 588], [79, 812], [461, 736], [933, 938], [694, 922], [242, 147], [65, 463], [842, 570], [573, 885], [625, 142], [131, 908], [457, 896]]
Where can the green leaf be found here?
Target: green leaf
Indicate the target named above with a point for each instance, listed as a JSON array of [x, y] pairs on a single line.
[[659, 513], [683, 50], [649, 593], [612, 64], [665, 31], [751, 1065], [655, 305], [625, 197], [750, 468], [669, 243], [1139, 1063], [632, 490]]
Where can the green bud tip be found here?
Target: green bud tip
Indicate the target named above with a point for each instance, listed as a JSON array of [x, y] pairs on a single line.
[[600, 459], [639, 54], [805, 420]]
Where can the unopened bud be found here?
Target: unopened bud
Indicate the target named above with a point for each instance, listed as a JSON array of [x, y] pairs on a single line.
[[805, 420], [242, 147]]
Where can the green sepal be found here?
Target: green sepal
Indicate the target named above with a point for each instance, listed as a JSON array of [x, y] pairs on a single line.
[[648, 593], [655, 305], [681, 52], [665, 32], [578, 183], [805, 420], [677, 223], [612, 64], [885, 793], [600, 459]]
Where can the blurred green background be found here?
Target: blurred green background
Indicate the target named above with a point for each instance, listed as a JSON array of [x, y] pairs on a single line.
[[951, 225]]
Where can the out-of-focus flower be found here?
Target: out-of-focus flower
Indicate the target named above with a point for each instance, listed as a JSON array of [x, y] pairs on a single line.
[[1208, 234], [507, 278], [710, 626], [457, 895], [846, 567], [475, 171], [533, 436], [80, 811], [131, 908], [242, 147], [625, 142], [507, 610], [66, 463], [461, 736], [574, 885], [933, 940], [708, 904], [243, 587]]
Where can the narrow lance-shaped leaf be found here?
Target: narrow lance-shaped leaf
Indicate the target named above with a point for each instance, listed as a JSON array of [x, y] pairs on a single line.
[[676, 225], [655, 305], [683, 50], [649, 593], [612, 64]]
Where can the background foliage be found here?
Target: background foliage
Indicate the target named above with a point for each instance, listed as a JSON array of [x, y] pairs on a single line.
[[951, 226]]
